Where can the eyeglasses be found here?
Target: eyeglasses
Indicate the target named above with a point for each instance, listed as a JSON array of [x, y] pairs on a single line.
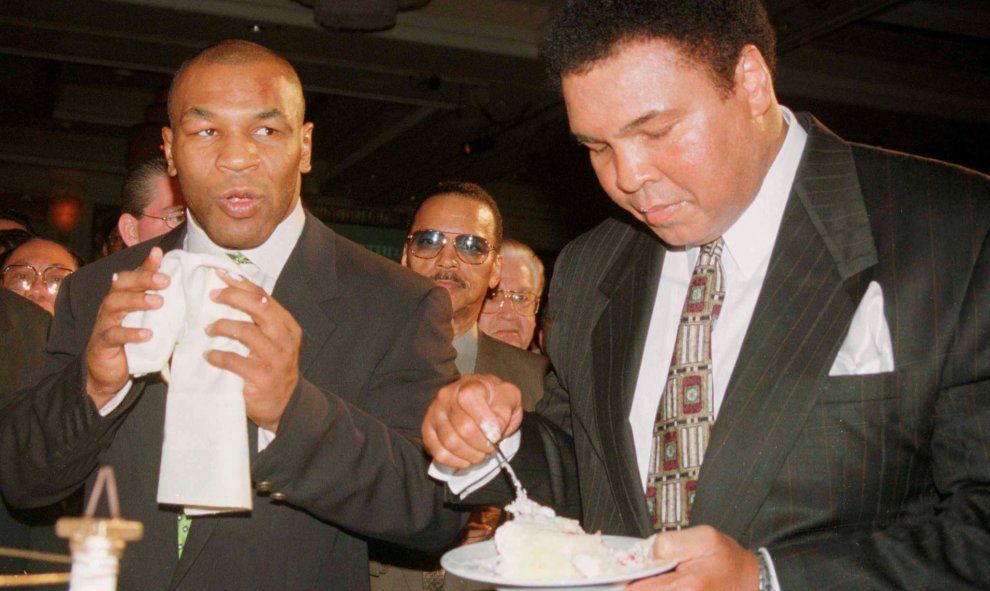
[[523, 302], [22, 277], [427, 244], [172, 219]]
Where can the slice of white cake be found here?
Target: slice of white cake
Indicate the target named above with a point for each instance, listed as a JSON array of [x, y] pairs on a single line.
[[540, 546]]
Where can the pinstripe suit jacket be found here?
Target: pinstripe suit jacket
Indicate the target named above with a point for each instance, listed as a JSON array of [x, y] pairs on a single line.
[[855, 482]]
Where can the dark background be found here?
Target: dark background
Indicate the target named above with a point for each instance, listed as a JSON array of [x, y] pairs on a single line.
[[82, 90]]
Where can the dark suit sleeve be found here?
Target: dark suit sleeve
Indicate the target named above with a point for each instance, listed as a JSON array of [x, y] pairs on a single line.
[[51, 437], [545, 463], [941, 539], [368, 472]]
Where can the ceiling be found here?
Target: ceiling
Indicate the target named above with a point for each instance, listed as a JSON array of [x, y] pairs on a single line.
[[82, 85]]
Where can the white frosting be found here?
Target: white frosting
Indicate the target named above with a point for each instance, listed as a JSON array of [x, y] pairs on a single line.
[[537, 544]]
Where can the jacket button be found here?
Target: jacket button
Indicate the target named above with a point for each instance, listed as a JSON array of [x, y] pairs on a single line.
[[277, 496], [263, 486]]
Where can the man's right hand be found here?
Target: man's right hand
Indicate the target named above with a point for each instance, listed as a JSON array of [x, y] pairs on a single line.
[[106, 364], [454, 429]]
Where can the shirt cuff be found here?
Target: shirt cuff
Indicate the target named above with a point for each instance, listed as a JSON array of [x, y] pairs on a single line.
[[767, 560], [465, 481], [114, 402]]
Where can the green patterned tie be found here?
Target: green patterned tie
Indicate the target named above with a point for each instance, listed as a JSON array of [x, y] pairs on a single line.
[[184, 523], [239, 258]]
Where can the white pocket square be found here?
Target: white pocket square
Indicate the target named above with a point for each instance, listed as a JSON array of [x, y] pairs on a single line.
[[867, 348]]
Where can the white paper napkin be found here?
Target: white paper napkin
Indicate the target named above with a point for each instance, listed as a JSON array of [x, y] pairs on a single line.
[[205, 462]]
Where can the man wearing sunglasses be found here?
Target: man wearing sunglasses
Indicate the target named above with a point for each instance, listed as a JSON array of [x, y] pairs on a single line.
[[151, 203], [454, 240]]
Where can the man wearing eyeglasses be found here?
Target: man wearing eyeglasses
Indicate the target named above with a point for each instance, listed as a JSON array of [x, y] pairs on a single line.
[[151, 203], [509, 313], [36, 269]]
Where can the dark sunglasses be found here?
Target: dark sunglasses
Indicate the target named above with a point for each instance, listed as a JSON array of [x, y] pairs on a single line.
[[427, 244]]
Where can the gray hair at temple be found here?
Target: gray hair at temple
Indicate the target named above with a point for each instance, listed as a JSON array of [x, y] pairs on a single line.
[[136, 193], [513, 248]]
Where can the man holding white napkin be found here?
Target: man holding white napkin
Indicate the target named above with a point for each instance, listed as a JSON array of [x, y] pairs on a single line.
[[809, 316], [327, 354]]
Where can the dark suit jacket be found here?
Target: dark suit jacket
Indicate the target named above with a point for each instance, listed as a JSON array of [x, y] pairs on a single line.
[[346, 457], [856, 482], [512, 364], [23, 330]]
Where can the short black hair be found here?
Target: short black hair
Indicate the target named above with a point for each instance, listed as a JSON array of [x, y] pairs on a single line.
[[135, 194], [471, 191], [232, 52], [710, 32], [11, 239]]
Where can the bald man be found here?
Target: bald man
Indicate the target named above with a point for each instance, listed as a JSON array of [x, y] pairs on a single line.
[[333, 407]]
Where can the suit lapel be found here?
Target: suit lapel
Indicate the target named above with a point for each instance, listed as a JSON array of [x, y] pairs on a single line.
[[307, 282], [617, 350], [813, 286], [485, 361]]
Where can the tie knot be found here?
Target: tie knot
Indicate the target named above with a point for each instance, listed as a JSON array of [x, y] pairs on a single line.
[[710, 255], [714, 248], [239, 258]]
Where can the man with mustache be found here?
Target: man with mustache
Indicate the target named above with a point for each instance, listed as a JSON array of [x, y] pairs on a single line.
[[344, 352], [454, 240]]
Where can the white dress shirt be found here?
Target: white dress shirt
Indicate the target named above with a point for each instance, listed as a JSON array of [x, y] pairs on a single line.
[[745, 259], [269, 258], [466, 346]]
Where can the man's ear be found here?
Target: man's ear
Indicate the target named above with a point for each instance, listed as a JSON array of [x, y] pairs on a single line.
[[306, 157], [753, 82], [127, 225], [167, 147], [496, 276], [405, 255]]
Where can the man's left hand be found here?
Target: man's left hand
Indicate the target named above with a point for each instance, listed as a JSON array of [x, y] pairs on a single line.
[[273, 337], [706, 559]]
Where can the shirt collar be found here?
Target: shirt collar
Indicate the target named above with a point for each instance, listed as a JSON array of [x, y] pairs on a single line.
[[466, 346], [751, 238], [270, 257]]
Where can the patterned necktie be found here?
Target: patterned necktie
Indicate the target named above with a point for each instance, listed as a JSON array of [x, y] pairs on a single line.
[[184, 523], [687, 408], [239, 257]]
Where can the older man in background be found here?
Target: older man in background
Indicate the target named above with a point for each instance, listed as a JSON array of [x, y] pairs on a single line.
[[509, 312], [36, 269]]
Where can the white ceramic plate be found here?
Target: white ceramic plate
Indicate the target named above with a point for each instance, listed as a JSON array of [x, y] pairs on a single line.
[[475, 562]]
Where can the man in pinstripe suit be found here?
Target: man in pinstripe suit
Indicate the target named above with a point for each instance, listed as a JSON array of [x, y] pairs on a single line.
[[851, 359]]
